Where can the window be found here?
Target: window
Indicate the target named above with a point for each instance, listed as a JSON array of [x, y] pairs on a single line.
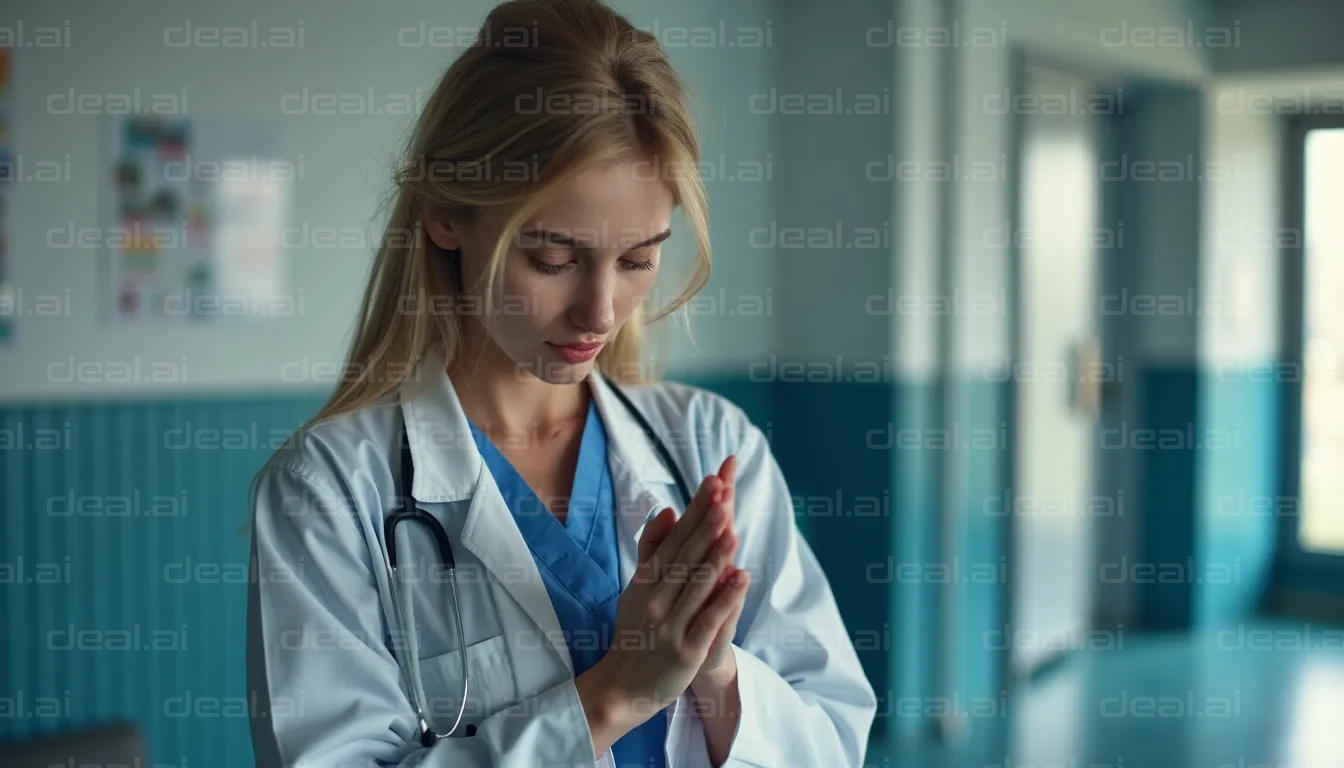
[[1321, 457]]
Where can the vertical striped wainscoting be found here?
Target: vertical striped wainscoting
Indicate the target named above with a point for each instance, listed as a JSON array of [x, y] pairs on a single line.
[[123, 567]]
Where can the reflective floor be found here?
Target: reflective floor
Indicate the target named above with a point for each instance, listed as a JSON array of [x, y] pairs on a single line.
[[1249, 696]]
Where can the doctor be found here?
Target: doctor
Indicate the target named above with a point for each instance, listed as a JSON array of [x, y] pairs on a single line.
[[498, 544]]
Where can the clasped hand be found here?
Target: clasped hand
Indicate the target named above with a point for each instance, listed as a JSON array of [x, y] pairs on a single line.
[[676, 619]]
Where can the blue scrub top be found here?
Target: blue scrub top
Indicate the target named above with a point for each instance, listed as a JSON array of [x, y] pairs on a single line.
[[579, 565]]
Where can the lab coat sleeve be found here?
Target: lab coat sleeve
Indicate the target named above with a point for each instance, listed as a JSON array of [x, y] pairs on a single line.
[[328, 688], [805, 701]]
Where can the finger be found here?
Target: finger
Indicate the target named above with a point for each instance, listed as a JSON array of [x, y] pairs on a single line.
[[701, 582], [725, 578], [711, 619], [725, 581], [690, 520], [728, 474], [709, 490], [678, 570], [691, 517], [698, 546], [728, 471], [730, 504], [655, 531], [726, 634]]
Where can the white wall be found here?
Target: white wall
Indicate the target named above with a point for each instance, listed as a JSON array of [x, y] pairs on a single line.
[[829, 188], [348, 48], [733, 138], [1283, 34], [1245, 118], [1242, 222], [1076, 37], [920, 200]]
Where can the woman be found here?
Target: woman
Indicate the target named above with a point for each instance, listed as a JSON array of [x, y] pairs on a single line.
[[498, 339]]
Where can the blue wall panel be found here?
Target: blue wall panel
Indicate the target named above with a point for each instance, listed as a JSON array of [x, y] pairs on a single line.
[[840, 480], [126, 568], [980, 431], [1169, 447], [915, 537], [1238, 494]]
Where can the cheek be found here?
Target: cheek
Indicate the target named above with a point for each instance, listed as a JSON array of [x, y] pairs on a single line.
[[533, 299], [633, 292], [475, 252]]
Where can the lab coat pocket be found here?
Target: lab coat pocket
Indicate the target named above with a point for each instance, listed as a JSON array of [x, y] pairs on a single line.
[[490, 684]]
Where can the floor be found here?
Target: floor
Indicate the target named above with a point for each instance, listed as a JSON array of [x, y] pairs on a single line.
[[1254, 696]]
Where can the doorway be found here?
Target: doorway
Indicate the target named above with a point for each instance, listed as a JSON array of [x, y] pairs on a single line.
[[1058, 370]]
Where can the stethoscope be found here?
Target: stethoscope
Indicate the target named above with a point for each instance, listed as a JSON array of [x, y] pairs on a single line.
[[411, 511]]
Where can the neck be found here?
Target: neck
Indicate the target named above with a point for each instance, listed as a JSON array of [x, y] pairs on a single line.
[[498, 396]]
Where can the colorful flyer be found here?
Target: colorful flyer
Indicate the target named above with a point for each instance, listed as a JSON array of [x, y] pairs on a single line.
[[196, 220]]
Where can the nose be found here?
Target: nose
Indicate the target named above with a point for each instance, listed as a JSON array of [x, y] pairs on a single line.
[[595, 310]]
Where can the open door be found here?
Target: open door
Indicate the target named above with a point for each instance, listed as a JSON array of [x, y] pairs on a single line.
[[1057, 388]]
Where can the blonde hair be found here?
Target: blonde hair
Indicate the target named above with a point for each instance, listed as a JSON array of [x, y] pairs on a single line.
[[549, 88]]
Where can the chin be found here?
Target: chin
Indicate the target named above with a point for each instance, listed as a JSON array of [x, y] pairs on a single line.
[[559, 371], [578, 374]]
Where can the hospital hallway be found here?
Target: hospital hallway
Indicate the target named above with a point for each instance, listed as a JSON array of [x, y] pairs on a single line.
[[1024, 320], [1260, 695]]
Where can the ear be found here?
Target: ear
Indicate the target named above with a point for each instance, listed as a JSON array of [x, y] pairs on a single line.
[[442, 232]]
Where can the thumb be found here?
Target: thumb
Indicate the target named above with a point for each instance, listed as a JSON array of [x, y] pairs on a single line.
[[655, 531]]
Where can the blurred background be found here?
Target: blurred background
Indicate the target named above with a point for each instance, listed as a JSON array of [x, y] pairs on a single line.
[[1040, 303]]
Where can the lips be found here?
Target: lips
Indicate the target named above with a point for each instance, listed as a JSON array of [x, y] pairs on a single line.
[[576, 353]]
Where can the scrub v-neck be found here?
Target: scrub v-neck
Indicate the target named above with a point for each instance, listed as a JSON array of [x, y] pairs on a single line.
[[579, 565], [580, 555]]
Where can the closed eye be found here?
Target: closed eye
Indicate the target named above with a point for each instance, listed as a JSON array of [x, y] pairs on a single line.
[[634, 266], [561, 246], [631, 265], [548, 268]]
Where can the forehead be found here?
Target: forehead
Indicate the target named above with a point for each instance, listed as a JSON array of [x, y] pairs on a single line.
[[608, 206]]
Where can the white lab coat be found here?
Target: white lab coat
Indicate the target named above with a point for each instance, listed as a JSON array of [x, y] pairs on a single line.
[[322, 672]]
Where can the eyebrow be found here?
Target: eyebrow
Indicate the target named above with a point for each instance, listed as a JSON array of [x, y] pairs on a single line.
[[559, 239]]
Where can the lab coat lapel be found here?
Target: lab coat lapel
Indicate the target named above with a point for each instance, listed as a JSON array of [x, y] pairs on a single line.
[[492, 535], [448, 467]]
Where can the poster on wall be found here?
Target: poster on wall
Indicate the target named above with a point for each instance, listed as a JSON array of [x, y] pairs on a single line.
[[8, 289], [197, 210]]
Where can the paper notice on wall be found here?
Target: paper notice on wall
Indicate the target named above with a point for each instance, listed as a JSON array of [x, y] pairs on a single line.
[[197, 211]]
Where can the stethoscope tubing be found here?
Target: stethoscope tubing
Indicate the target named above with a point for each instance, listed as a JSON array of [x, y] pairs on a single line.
[[428, 736]]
